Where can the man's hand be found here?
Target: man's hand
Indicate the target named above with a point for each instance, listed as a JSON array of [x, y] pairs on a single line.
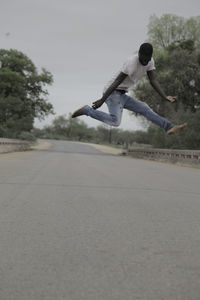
[[156, 86], [119, 79], [97, 103], [171, 99]]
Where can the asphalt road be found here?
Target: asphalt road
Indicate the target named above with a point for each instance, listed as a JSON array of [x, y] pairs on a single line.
[[77, 224]]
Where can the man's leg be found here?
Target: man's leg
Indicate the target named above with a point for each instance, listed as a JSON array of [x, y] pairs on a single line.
[[115, 108], [143, 109]]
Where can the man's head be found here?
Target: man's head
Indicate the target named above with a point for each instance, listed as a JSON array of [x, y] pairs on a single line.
[[145, 53]]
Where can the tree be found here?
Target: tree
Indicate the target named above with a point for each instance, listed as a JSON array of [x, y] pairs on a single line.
[[60, 125], [168, 29], [177, 56], [23, 96], [178, 72]]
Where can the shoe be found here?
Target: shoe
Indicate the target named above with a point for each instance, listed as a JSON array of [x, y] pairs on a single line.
[[79, 112], [176, 128]]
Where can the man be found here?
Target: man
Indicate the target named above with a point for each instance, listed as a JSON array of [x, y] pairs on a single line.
[[116, 98]]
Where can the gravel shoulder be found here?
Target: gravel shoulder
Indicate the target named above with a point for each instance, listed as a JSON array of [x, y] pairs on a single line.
[[42, 145]]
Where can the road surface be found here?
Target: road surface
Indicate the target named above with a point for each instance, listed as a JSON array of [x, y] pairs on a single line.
[[79, 224]]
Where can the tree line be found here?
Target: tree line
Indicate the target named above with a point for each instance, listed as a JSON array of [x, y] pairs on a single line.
[[66, 128]]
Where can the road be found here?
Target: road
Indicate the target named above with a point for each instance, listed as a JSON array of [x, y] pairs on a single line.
[[79, 224]]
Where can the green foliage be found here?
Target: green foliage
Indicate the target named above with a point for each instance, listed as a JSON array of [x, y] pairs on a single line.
[[22, 93], [179, 75], [75, 129], [177, 54], [28, 136], [169, 29]]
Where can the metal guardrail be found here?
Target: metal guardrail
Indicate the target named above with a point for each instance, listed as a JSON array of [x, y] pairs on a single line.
[[11, 145], [170, 155]]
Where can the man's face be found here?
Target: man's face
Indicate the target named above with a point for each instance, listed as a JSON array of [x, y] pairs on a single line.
[[144, 59]]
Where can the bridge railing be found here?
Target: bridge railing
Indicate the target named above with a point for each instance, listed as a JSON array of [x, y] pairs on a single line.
[[11, 145], [170, 155]]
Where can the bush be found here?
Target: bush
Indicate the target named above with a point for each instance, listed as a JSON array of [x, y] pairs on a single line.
[[28, 136]]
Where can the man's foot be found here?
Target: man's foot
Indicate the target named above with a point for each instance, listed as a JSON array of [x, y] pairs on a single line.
[[176, 128], [79, 112]]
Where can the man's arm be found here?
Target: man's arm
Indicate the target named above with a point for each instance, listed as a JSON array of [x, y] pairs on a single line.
[[156, 86], [119, 79]]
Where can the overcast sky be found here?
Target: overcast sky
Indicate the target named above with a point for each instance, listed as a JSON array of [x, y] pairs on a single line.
[[82, 42]]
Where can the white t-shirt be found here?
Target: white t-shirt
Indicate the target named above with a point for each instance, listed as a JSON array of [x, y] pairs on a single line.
[[134, 69]]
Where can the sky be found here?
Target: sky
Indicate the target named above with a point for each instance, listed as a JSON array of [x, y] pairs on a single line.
[[82, 43]]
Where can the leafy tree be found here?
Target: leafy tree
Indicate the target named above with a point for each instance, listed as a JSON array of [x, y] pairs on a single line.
[[104, 134], [67, 128], [178, 72], [23, 96], [60, 125], [168, 29]]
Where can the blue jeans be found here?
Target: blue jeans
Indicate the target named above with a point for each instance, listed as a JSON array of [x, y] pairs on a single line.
[[116, 102]]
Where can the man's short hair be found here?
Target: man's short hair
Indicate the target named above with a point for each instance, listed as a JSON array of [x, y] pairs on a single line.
[[146, 49]]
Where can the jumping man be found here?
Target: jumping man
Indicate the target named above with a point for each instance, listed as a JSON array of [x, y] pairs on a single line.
[[116, 98]]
